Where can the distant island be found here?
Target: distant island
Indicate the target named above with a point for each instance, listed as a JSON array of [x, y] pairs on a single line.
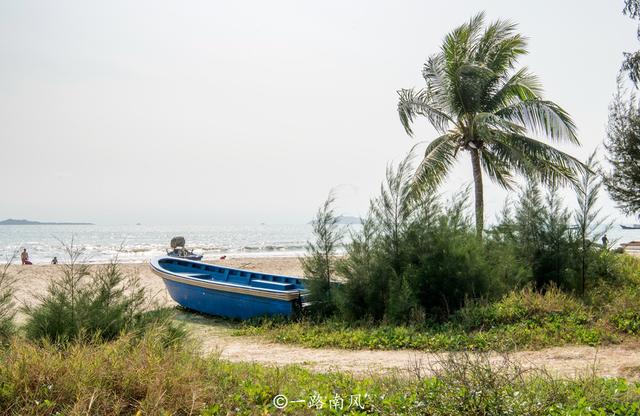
[[345, 219], [11, 221]]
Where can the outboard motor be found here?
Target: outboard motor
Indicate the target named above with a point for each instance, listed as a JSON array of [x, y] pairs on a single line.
[[177, 242], [179, 250]]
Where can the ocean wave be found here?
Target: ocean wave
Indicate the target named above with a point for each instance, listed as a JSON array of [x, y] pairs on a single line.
[[43, 253], [274, 247]]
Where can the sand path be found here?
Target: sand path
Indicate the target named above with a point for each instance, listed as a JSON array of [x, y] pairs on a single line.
[[216, 337], [621, 360]]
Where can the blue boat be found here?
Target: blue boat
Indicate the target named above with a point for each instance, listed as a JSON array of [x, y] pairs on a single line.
[[224, 291]]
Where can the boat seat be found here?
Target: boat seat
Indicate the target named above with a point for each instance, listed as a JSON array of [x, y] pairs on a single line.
[[264, 284], [196, 275]]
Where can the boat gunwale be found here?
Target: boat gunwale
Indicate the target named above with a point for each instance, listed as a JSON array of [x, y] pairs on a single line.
[[287, 295]]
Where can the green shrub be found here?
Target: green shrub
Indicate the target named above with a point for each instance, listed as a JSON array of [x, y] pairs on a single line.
[[523, 305], [447, 264], [616, 298], [613, 269], [7, 312], [508, 268], [539, 236], [625, 268], [551, 246], [318, 264], [414, 260], [402, 303], [364, 289], [622, 307], [417, 260], [88, 303]]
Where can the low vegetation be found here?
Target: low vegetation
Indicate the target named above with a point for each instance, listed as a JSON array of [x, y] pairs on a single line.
[[7, 311], [94, 303], [135, 376], [520, 320]]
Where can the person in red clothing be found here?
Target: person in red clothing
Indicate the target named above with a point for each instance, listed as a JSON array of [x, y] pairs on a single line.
[[24, 256]]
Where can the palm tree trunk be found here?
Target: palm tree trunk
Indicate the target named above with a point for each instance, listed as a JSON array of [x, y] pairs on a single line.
[[479, 193]]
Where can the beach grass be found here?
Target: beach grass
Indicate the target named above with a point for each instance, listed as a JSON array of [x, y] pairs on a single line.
[[133, 376]]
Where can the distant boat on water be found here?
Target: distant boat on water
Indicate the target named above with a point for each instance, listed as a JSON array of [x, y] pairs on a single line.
[[630, 227], [224, 291]]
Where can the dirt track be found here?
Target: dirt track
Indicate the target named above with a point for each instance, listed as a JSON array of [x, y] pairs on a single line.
[[570, 361]]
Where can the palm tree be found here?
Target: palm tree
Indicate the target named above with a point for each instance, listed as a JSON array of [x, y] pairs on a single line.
[[480, 104]]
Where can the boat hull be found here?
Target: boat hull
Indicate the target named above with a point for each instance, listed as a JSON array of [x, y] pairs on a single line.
[[231, 305], [228, 292]]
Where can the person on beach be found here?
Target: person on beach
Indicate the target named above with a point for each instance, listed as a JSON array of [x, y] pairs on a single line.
[[54, 260], [24, 256]]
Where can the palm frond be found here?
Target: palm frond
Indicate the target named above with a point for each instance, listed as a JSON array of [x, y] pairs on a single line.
[[500, 46], [458, 45], [434, 167], [439, 85], [506, 53], [413, 104], [542, 117], [520, 86], [484, 124], [497, 169], [535, 160]]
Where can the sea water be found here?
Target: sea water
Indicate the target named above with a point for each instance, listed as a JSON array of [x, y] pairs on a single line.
[[139, 243]]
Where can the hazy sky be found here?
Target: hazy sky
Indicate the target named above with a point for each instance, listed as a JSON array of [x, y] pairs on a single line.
[[211, 112]]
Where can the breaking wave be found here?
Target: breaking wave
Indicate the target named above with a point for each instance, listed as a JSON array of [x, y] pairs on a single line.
[[130, 244]]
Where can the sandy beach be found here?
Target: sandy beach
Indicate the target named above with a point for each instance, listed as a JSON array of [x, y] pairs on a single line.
[[32, 281]]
